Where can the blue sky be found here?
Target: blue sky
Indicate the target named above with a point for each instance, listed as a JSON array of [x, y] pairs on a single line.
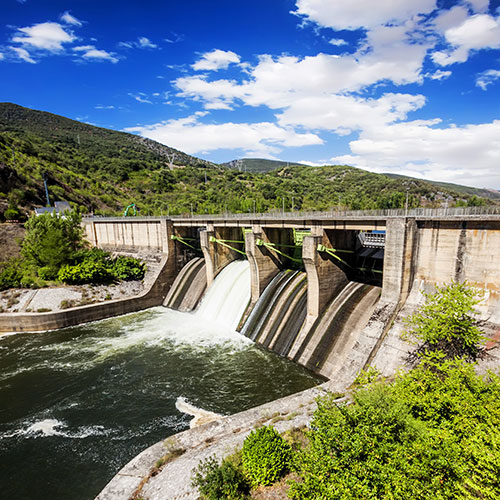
[[409, 87]]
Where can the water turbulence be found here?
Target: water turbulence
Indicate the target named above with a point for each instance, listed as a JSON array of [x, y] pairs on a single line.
[[79, 403], [228, 297]]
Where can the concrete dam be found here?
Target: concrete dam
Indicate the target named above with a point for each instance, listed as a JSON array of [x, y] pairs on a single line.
[[325, 291]]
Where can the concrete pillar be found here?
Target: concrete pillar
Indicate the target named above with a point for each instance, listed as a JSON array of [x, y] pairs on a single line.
[[399, 255], [324, 277], [208, 249], [170, 269], [218, 256], [265, 263]]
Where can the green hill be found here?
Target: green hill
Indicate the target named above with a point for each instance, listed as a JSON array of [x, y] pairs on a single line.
[[103, 171], [257, 165], [457, 188]]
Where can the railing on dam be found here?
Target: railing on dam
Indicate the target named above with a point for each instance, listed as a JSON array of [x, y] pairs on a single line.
[[418, 213]]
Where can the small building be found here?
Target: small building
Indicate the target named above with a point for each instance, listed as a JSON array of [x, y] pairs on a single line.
[[59, 208]]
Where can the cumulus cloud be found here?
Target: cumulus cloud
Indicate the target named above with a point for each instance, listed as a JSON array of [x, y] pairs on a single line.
[[90, 53], [345, 114], [1, 56], [215, 60], [23, 54], [465, 154], [487, 78], [192, 136], [356, 14], [47, 36], [69, 19], [477, 32]]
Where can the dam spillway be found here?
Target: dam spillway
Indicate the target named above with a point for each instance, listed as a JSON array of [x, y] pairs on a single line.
[[85, 400]]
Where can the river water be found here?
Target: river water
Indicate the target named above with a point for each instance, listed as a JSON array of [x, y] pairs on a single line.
[[79, 403]]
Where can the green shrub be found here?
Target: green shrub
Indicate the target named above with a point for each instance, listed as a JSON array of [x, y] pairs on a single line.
[[128, 268], [446, 324], [427, 435], [219, 482], [87, 271], [266, 456], [11, 214], [47, 273], [11, 274]]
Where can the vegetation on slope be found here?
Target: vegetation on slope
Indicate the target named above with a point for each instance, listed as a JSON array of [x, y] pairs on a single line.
[[54, 251], [428, 434], [103, 171]]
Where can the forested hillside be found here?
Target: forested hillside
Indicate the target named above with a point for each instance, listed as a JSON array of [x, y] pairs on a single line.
[[103, 171]]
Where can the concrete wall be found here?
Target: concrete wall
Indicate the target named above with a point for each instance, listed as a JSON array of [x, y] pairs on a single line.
[[127, 234]]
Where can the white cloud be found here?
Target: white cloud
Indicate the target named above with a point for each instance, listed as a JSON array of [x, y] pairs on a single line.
[[140, 97], [477, 32], [465, 154], [69, 19], [47, 36], [90, 53], [337, 42], [1, 56], [23, 54], [192, 136], [279, 82], [215, 60], [487, 78], [141, 43], [345, 114], [479, 6], [146, 43], [439, 75], [100, 106], [355, 14]]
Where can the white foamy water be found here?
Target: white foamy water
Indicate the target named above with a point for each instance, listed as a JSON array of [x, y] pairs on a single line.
[[51, 427], [228, 297]]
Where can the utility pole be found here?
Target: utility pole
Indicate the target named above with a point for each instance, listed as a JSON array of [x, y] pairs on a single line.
[[293, 206], [406, 202], [283, 204]]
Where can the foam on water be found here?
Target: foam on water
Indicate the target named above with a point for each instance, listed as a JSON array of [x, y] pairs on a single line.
[[50, 427]]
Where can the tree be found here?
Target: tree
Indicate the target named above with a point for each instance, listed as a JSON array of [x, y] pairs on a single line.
[[52, 241], [447, 323]]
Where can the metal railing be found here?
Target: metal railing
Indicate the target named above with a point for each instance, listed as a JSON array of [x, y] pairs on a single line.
[[419, 213]]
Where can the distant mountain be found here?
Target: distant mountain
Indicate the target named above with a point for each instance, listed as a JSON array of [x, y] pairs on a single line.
[[103, 171], [457, 188], [258, 165]]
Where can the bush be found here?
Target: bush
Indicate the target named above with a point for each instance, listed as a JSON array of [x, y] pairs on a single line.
[[128, 268], [219, 482], [447, 323], [51, 240], [266, 456], [428, 435], [88, 271], [11, 274]]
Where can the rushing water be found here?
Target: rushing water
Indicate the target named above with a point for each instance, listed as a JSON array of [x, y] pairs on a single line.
[[78, 403]]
